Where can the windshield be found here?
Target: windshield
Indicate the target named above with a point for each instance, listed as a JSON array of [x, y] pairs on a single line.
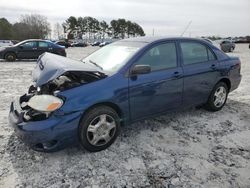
[[112, 57]]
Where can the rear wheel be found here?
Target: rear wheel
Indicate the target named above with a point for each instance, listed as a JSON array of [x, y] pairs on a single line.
[[218, 97], [231, 49], [10, 56], [99, 128]]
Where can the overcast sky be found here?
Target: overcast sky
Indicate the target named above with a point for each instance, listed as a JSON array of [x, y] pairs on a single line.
[[167, 17]]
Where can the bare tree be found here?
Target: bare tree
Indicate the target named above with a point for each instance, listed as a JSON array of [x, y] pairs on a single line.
[[32, 26], [58, 31]]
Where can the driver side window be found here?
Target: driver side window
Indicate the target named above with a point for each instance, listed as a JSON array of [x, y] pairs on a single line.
[[28, 45], [160, 57]]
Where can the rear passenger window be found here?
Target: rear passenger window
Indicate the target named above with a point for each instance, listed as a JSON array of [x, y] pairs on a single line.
[[160, 57], [193, 52], [210, 55], [43, 44]]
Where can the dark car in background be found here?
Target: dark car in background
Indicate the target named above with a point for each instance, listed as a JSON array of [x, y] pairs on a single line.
[[227, 46], [63, 43], [96, 43], [30, 49], [79, 44], [87, 101], [104, 43]]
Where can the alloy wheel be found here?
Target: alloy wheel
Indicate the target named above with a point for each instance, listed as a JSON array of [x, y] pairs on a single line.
[[101, 130], [220, 96], [10, 57]]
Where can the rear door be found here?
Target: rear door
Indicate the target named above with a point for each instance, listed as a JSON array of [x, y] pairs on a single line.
[[27, 50], [201, 71], [44, 46], [161, 89]]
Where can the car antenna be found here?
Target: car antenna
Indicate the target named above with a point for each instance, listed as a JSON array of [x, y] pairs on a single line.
[[189, 23]]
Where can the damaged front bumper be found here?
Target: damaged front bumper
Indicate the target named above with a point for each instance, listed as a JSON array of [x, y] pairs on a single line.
[[51, 134]]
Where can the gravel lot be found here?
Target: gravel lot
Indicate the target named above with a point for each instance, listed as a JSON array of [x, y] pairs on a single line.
[[194, 148]]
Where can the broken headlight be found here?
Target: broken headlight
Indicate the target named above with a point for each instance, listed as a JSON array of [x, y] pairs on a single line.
[[45, 103]]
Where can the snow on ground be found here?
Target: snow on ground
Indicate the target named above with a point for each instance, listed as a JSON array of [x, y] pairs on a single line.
[[193, 148]]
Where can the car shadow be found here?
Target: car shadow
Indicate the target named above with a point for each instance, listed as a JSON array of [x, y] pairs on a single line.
[[19, 60], [187, 120], [54, 167], [26, 60]]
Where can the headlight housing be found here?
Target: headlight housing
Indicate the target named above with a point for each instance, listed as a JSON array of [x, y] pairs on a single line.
[[45, 103]]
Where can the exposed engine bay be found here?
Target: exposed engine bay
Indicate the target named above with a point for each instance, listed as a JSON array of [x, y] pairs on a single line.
[[66, 81]]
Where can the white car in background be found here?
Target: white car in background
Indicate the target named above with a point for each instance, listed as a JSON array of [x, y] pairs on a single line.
[[5, 43]]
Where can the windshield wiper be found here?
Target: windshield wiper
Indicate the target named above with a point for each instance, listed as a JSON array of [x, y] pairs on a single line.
[[95, 64]]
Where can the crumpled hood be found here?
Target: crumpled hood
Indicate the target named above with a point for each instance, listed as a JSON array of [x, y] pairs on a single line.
[[50, 66]]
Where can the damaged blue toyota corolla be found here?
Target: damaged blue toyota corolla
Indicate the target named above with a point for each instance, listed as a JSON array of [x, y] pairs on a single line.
[[86, 101]]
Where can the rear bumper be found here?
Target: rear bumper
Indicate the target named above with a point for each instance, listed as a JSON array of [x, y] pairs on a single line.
[[51, 134], [235, 83], [63, 53]]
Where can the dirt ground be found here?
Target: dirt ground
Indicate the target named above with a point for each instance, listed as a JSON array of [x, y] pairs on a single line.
[[194, 148]]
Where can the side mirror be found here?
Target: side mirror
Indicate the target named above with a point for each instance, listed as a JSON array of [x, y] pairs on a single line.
[[140, 69], [21, 46]]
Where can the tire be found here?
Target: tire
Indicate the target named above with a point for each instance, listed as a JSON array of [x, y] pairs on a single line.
[[220, 92], [10, 56], [99, 128], [231, 49]]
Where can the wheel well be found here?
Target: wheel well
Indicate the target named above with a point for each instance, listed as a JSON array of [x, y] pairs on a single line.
[[9, 53], [226, 81], [109, 104]]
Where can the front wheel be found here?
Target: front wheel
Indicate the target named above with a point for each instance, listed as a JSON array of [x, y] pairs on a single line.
[[218, 97], [10, 57], [99, 128]]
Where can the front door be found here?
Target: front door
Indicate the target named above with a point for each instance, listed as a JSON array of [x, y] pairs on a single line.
[[161, 89], [28, 50]]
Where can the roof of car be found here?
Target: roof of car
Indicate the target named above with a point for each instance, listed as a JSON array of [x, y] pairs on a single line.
[[154, 39], [30, 40]]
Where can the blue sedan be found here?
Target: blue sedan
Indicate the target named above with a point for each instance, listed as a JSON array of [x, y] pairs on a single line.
[[87, 101]]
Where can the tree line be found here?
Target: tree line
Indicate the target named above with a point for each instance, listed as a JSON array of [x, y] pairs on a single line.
[[37, 26], [28, 27], [92, 28]]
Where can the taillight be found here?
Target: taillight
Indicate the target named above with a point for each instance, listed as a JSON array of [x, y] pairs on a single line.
[[238, 65]]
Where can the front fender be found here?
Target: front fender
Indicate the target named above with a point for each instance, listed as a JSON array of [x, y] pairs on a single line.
[[112, 89]]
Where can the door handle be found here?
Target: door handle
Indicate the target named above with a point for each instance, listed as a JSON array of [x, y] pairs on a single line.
[[34, 48], [213, 66], [177, 74]]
